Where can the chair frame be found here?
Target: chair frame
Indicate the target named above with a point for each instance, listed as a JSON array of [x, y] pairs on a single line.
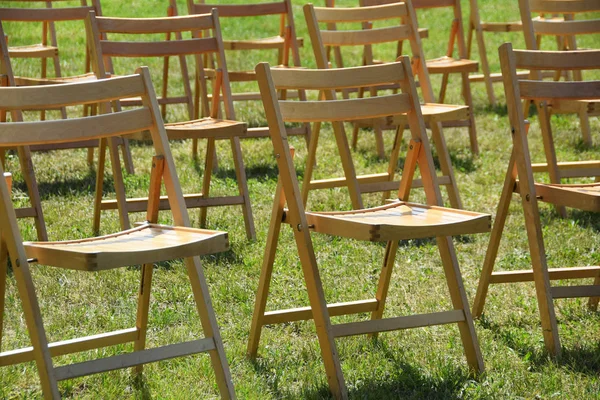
[[207, 128], [531, 192], [383, 182], [106, 126], [303, 222]]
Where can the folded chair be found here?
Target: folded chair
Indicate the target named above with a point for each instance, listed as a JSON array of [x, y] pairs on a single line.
[[519, 179], [285, 44], [211, 127], [565, 28], [153, 242], [335, 35], [390, 223], [449, 64], [49, 17]]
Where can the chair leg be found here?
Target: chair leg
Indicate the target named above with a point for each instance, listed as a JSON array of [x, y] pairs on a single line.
[[393, 160], [384, 280], [355, 129], [266, 271], [460, 302], [592, 303], [242, 182], [90, 157], [142, 311], [496, 235], [310, 161], [318, 305], [445, 164], [127, 159], [99, 185], [208, 163], [33, 191], [584, 122], [379, 141], [443, 88], [37, 334], [3, 273], [469, 102], [210, 327]]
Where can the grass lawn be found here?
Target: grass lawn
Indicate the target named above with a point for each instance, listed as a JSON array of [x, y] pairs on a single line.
[[419, 363]]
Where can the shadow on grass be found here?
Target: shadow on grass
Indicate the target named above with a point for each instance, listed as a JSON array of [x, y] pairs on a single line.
[[260, 172], [84, 184], [584, 219], [584, 360], [404, 381]]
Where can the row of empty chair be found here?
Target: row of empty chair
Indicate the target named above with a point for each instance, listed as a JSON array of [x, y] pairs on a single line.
[[335, 103]]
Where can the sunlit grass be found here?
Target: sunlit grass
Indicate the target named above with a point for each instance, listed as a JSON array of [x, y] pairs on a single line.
[[421, 363]]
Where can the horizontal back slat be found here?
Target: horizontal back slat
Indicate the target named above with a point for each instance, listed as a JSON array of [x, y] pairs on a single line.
[[158, 49], [550, 27], [155, 25], [242, 10], [342, 78], [44, 14], [563, 6], [360, 14], [345, 110], [556, 60], [72, 130], [432, 3], [54, 96], [368, 3], [365, 36], [541, 90]]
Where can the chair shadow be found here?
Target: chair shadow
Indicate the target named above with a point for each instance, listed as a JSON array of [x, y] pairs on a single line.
[[84, 184], [405, 382], [584, 219], [579, 359]]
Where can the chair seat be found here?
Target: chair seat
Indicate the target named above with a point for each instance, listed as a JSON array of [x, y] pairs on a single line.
[[433, 112], [30, 81], [149, 243], [35, 50], [451, 65], [206, 128], [274, 42], [399, 221], [591, 107], [583, 196]]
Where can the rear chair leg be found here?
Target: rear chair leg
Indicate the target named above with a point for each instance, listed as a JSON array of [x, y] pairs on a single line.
[[384, 281]]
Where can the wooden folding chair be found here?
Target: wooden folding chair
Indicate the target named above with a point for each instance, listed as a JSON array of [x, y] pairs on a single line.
[[565, 28], [448, 64], [403, 27], [581, 196], [49, 17], [390, 223], [285, 43], [153, 242], [211, 127]]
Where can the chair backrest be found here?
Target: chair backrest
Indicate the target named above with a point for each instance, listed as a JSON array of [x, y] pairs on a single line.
[[287, 42], [403, 27], [336, 111], [564, 27], [205, 39], [542, 91]]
